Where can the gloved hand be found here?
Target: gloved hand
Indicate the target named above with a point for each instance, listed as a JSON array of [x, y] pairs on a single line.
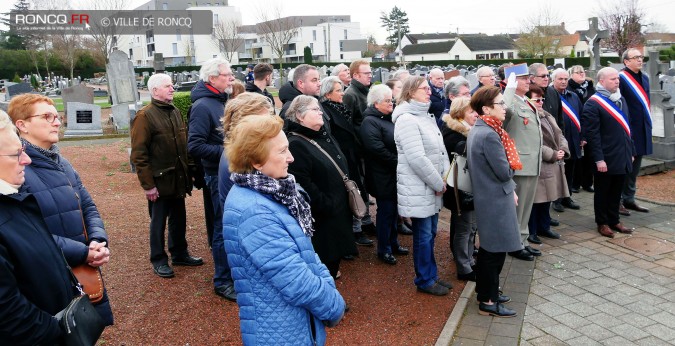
[[511, 81]]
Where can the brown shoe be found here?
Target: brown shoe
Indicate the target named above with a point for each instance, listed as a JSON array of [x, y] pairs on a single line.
[[620, 228], [634, 206], [605, 231], [623, 211]]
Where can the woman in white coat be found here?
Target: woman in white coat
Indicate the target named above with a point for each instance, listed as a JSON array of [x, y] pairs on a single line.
[[422, 162]]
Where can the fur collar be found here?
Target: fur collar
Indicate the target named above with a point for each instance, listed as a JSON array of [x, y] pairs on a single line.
[[457, 126]]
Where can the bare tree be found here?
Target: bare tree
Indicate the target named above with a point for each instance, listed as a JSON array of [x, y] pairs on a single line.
[[105, 36], [276, 31], [226, 37], [623, 21], [65, 47], [540, 35], [189, 47]]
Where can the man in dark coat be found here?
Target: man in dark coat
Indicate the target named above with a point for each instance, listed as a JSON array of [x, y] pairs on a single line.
[[635, 89], [571, 109], [159, 153], [539, 76], [436, 81], [262, 78], [605, 125], [205, 143]]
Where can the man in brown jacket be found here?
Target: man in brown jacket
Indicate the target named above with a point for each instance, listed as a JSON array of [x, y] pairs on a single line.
[[159, 152]]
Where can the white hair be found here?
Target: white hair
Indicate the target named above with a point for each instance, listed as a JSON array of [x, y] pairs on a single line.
[[5, 122], [339, 68], [556, 72], [484, 69], [211, 68], [398, 73], [156, 81], [327, 85], [376, 94]]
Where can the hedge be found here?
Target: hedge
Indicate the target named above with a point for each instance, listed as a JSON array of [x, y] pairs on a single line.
[[182, 101]]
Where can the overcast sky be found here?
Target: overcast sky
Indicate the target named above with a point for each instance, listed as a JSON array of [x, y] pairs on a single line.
[[431, 16]]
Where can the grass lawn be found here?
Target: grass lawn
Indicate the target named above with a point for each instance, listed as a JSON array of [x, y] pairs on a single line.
[[100, 100]]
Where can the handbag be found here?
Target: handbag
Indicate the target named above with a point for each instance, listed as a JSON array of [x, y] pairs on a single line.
[[89, 277], [81, 322], [458, 175], [356, 203]]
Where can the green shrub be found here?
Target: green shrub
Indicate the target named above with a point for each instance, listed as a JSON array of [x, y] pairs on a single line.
[[16, 79], [182, 101]]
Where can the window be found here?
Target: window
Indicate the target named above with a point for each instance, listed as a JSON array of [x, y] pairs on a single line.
[[165, 6], [215, 18], [313, 35], [341, 46], [178, 35], [311, 47], [175, 48], [342, 57], [510, 55], [456, 57], [131, 53], [345, 34]]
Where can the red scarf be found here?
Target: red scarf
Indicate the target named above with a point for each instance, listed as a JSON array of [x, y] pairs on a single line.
[[508, 143]]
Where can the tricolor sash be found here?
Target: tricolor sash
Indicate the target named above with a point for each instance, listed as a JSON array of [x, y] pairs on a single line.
[[613, 110], [638, 90], [569, 111]]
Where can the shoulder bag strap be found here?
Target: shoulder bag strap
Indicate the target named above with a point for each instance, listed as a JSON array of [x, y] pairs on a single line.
[[455, 172], [344, 177]]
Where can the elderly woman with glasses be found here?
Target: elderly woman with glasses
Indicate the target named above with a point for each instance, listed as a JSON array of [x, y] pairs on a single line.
[[342, 128], [65, 204], [34, 280], [493, 159], [285, 293], [316, 173], [379, 149], [422, 162]]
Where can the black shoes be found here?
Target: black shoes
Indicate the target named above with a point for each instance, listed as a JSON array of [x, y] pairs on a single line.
[[533, 251], [533, 239], [634, 206], [548, 234], [589, 189], [369, 229], [227, 292], [187, 260], [403, 229], [387, 258], [467, 277], [348, 257], [522, 255], [557, 206], [164, 271], [496, 310], [570, 203], [575, 190], [362, 240], [502, 299], [444, 284], [400, 250], [436, 289], [554, 222]]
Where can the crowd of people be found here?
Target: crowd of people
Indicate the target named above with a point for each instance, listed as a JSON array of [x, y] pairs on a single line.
[[278, 216]]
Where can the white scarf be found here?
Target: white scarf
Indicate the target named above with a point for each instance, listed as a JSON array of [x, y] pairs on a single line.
[[7, 188]]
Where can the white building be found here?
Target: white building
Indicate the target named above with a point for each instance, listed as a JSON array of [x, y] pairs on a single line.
[[463, 47]]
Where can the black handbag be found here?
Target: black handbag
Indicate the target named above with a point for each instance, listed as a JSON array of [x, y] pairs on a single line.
[[356, 203], [81, 322]]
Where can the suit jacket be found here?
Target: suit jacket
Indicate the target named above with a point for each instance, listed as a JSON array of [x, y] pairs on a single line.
[[640, 125], [607, 139], [522, 124], [572, 133]]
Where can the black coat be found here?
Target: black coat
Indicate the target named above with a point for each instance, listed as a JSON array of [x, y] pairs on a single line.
[[346, 137], [455, 137], [34, 281], [355, 99], [583, 90], [333, 237], [379, 151], [287, 94], [572, 133], [640, 123], [252, 88], [437, 105], [607, 139], [553, 105]]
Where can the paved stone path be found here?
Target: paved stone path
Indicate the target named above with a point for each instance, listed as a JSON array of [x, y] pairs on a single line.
[[585, 290]]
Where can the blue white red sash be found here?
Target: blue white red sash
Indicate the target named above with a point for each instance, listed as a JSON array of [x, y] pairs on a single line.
[[569, 111], [638, 90], [611, 108]]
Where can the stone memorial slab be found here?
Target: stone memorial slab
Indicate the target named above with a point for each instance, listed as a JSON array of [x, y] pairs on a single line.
[[17, 89], [449, 74], [121, 78], [84, 119], [79, 93], [120, 117], [158, 62], [473, 80]]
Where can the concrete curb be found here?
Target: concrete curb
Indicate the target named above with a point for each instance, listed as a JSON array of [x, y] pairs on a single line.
[[666, 204], [456, 316]]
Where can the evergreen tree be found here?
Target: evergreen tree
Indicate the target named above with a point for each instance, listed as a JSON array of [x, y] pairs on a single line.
[[12, 39], [396, 23], [308, 55]]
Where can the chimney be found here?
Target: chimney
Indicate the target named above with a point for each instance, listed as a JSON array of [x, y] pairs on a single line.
[[562, 24]]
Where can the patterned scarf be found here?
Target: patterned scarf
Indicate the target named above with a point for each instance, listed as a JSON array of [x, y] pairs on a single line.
[[341, 108], [51, 153], [284, 191], [509, 145]]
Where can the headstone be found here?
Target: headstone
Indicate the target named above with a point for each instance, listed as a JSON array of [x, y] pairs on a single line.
[[663, 122], [84, 119], [377, 76], [17, 89], [120, 117], [158, 63], [79, 93], [593, 36], [386, 75], [449, 74], [473, 80], [121, 78]]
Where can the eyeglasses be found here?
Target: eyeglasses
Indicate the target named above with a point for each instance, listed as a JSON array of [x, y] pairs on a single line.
[[387, 101], [426, 88], [579, 72], [50, 117], [18, 153], [637, 57], [501, 104], [229, 74], [488, 76], [316, 109], [542, 76], [541, 99], [369, 73]]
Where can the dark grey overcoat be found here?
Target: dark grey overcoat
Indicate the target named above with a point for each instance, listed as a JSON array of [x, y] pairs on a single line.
[[493, 189]]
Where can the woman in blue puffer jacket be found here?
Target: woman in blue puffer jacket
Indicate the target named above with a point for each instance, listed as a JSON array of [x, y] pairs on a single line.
[[64, 202], [286, 296]]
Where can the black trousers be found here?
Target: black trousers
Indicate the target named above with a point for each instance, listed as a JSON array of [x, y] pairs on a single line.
[[607, 197], [583, 170], [333, 267], [173, 209], [570, 166], [488, 267]]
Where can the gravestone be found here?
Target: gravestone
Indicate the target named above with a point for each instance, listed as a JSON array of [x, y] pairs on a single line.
[[473, 80], [663, 122], [84, 119], [386, 75], [158, 63], [593, 36], [123, 88], [17, 89], [120, 115], [79, 93]]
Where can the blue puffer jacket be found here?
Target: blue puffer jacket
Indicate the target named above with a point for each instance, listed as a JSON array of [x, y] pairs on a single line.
[[58, 189], [282, 286]]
